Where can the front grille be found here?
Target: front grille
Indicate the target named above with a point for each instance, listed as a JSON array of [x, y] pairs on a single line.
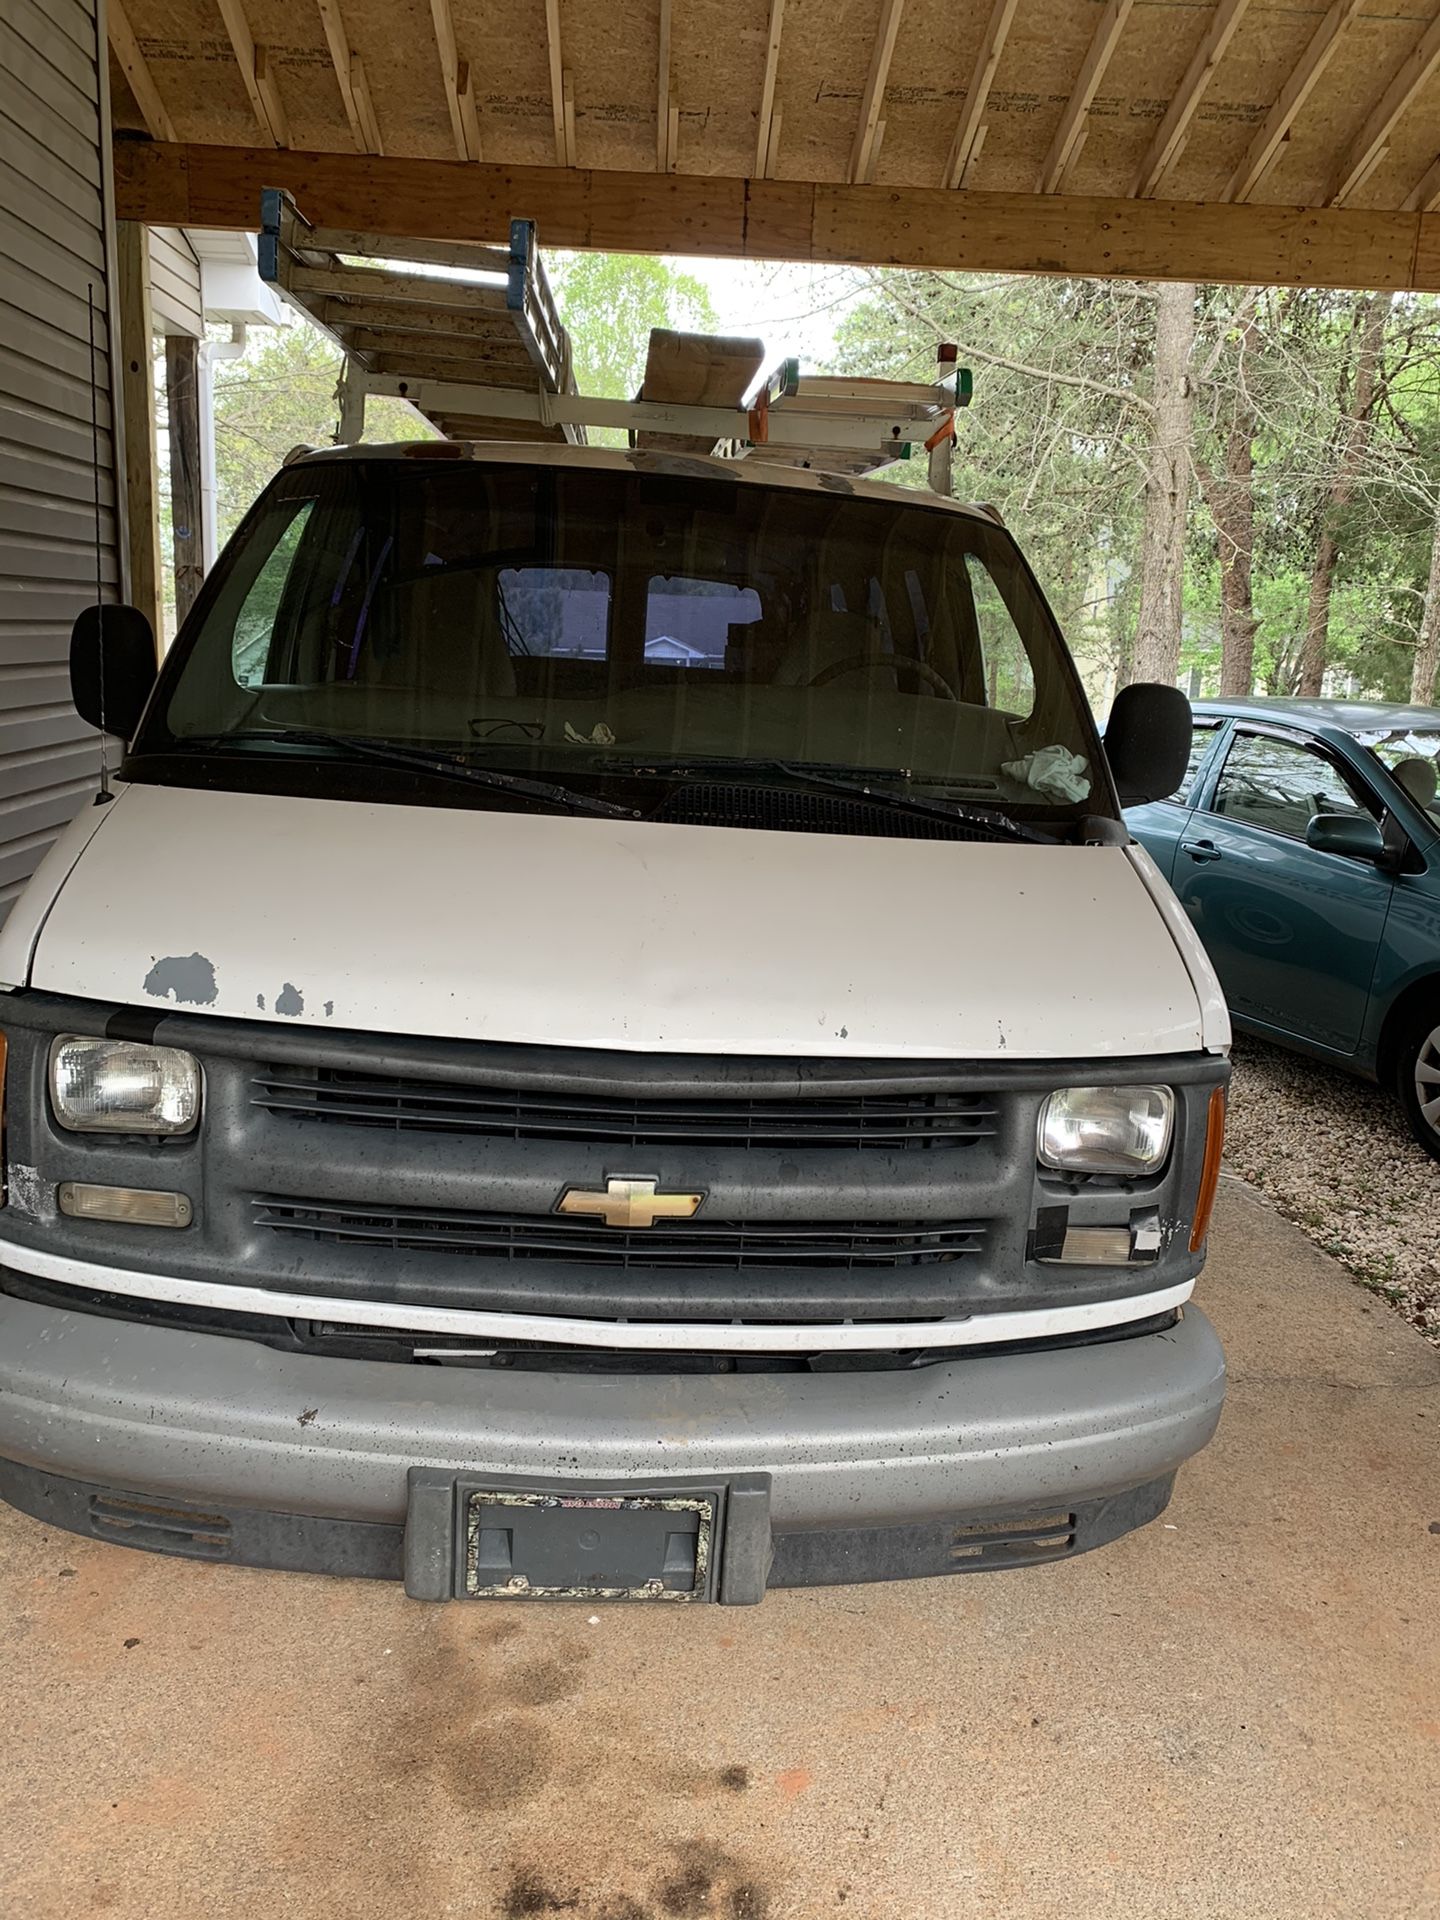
[[723, 1244], [343, 1096]]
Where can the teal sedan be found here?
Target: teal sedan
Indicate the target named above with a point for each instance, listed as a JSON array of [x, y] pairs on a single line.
[[1304, 843]]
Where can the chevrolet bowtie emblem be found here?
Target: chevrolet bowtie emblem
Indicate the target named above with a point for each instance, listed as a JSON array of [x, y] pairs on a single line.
[[630, 1203]]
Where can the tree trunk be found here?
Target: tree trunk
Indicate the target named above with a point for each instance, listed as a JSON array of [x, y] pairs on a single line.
[[1427, 649], [1156, 653], [1356, 413], [1230, 495]]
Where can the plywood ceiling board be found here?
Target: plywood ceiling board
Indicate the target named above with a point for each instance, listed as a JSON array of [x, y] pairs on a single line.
[[396, 44], [193, 65], [293, 36], [829, 45], [1043, 55], [505, 45], [612, 53], [1260, 59], [1136, 87], [1373, 46], [935, 53], [717, 68]]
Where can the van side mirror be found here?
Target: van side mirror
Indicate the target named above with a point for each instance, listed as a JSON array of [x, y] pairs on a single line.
[[1355, 835], [1147, 741], [112, 667]]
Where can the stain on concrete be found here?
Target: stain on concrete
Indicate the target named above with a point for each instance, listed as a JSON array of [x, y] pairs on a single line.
[[709, 1881], [290, 1001], [329, 1009], [835, 483], [528, 1894], [186, 978], [540, 1683]]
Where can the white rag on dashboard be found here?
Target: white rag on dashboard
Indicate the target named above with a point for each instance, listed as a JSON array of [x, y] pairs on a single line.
[[1053, 771]]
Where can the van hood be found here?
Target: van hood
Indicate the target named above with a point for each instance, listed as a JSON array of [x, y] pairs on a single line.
[[590, 932]]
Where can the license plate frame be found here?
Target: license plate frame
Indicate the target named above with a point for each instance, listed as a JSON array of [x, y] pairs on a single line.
[[489, 1537]]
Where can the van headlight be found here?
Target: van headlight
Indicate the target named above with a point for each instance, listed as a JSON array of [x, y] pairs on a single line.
[[1106, 1129], [118, 1086]]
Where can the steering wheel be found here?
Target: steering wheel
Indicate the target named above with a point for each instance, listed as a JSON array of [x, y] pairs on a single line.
[[899, 662]]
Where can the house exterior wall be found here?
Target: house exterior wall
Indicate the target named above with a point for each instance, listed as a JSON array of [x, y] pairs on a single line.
[[54, 254]]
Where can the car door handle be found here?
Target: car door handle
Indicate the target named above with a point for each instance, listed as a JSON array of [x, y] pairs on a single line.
[[1200, 850]]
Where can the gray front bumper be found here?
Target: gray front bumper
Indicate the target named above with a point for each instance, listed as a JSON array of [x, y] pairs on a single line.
[[213, 1419]]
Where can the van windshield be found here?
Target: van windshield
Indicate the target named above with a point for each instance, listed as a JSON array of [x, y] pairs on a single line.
[[569, 620]]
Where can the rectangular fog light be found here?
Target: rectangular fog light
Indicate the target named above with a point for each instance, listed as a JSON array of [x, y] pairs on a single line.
[[1096, 1246], [136, 1206]]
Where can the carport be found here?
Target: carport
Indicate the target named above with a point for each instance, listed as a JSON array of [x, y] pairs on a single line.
[[1232, 1715]]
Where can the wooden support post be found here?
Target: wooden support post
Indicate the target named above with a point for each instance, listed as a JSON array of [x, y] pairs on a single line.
[[182, 404], [351, 395], [137, 406]]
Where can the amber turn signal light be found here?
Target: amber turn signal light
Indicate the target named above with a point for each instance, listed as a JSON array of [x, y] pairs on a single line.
[[1209, 1170]]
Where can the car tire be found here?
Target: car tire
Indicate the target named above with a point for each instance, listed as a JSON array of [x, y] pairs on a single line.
[[1417, 1077]]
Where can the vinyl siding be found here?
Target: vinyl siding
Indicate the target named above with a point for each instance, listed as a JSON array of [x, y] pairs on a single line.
[[52, 249], [174, 283]]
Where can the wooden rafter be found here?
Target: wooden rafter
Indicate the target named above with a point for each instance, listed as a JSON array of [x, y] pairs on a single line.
[[721, 215], [455, 75], [1070, 134], [136, 69], [872, 101], [970, 134], [562, 92], [665, 116], [341, 57], [1174, 128], [1426, 196], [1264, 149], [365, 106], [257, 74], [1368, 148], [765, 133]]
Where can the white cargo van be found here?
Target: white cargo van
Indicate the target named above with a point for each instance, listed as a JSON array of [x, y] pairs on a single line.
[[608, 1041]]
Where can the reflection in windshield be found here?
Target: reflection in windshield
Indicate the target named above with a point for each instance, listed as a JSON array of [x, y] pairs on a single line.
[[522, 613]]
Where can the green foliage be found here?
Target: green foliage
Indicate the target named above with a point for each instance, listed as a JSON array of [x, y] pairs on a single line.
[[610, 301]]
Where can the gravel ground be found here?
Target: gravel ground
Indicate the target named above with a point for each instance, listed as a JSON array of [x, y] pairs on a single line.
[[1334, 1155]]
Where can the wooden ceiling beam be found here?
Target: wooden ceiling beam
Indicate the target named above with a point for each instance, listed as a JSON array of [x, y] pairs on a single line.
[[764, 142], [257, 74], [865, 150], [1070, 134], [1264, 149], [203, 186], [1367, 149], [455, 77], [1171, 135], [136, 69], [970, 134]]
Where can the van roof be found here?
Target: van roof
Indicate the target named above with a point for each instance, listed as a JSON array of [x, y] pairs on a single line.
[[753, 472]]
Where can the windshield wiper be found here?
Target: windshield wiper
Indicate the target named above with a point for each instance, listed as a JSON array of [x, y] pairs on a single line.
[[842, 780], [444, 766]]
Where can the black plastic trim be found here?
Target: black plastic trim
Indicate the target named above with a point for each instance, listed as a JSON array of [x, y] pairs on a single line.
[[368, 1550]]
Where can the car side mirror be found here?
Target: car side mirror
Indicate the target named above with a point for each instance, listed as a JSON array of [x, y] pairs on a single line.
[[1147, 741], [1355, 835], [112, 667]]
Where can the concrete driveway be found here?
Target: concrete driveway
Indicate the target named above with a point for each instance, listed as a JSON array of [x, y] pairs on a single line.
[[1233, 1713]]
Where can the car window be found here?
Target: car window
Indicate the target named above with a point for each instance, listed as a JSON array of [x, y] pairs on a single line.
[[1281, 785], [1201, 742]]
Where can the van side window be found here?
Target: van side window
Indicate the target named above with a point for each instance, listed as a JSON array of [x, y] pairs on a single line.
[[260, 609], [1281, 785], [1009, 677], [696, 623], [554, 613]]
